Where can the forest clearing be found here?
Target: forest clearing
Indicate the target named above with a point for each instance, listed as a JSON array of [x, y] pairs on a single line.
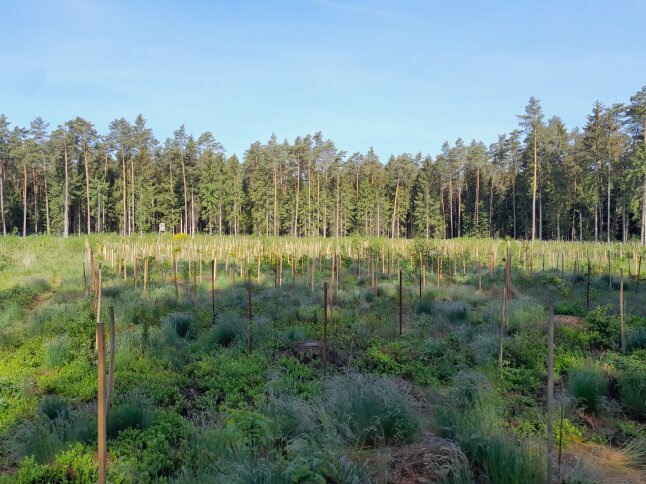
[[248, 359], [322, 242]]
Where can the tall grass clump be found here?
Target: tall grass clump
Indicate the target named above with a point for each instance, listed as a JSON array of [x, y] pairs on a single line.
[[632, 389], [470, 416], [180, 324], [226, 333], [53, 407], [369, 410], [636, 339], [57, 351], [132, 412], [452, 311], [524, 312], [588, 385]]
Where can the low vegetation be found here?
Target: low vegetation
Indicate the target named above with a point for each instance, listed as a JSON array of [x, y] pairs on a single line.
[[192, 403]]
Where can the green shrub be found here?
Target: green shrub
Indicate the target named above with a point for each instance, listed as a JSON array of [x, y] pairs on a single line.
[[632, 389], [295, 333], [569, 308], [588, 385], [76, 465], [604, 329]]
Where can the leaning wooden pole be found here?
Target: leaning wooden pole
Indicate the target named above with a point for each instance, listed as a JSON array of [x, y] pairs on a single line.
[[250, 315], [621, 311], [194, 282], [175, 278], [401, 303], [113, 349], [101, 400], [325, 328], [550, 386], [503, 317], [213, 285]]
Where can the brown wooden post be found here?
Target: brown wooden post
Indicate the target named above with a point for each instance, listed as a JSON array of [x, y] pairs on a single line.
[[503, 318], [621, 310], [639, 272], [113, 349], [280, 271], [175, 277], [421, 272], [145, 276], [325, 328], [213, 285], [250, 312], [587, 287], [331, 283], [194, 283], [401, 303], [84, 279], [101, 406], [550, 386]]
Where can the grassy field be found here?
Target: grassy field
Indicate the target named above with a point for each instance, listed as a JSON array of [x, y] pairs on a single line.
[[191, 403]]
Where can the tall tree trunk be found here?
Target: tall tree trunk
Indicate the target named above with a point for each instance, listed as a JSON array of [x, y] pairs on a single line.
[[513, 194], [451, 205], [392, 229], [171, 186], [491, 208], [33, 177], [540, 215], [477, 207], [596, 220], [608, 207], [309, 199], [192, 213], [534, 187], [87, 186], [459, 190], [24, 198], [46, 196], [181, 157], [318, 204], [4, 225], [298, 190], [574, 212], [643, 237], [275, 203], [125, 197], [66, 193], [133, 208]]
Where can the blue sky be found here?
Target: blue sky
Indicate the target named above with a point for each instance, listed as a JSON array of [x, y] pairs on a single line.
[[402, 76]]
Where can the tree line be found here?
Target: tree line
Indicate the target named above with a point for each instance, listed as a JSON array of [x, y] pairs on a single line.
[[540, 181]]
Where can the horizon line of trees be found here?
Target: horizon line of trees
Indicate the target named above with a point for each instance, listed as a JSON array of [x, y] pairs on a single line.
[[540, 181]]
